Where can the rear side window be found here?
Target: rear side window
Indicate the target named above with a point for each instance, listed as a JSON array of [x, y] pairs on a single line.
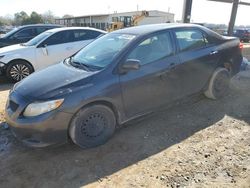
[[190, 39], [85, 35], [41, 29], [153, 49]]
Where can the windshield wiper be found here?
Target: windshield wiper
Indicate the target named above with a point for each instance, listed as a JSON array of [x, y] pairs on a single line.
[[84, 66], [78, 64]]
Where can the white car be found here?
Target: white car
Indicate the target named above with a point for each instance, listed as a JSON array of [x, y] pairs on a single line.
[[50, 47]]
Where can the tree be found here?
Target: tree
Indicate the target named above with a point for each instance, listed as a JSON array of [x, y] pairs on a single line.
[[20, 17], [48, 17], [23, 18], [34, 18], [67, 16]]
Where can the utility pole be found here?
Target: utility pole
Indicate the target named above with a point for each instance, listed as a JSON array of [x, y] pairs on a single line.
[[233, 17], [187, 9]]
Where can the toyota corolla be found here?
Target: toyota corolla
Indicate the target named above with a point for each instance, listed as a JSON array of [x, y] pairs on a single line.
[[118, 77]]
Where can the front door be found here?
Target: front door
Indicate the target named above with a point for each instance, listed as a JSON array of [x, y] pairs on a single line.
[[149, 86], [23, 36], [54, 49], [62, 45]]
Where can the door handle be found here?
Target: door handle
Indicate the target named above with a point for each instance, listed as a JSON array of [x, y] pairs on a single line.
[[165, 72], [214, 52]]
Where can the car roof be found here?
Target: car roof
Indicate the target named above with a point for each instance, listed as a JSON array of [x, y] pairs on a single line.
[[40, 25], [151, 28], [73, 28], [242, 29]]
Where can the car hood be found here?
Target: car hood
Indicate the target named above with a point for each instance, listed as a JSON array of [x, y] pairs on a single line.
[[54, 81], [13, 49]]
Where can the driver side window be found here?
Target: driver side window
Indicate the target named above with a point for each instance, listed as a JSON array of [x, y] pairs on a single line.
[[153, 49], [58, 38], [24, 33]]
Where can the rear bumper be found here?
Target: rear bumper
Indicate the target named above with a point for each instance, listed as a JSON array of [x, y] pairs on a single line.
[[47, 129]]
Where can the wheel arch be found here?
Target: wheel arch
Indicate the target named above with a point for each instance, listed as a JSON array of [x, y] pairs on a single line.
[[106, 103], [20, 59]]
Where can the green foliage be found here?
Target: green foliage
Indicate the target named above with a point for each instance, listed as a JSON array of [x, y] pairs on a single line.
[[22, 18], [5, 21]]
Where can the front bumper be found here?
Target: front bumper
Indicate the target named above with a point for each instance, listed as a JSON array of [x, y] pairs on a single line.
[[40, 131], [2, 68]]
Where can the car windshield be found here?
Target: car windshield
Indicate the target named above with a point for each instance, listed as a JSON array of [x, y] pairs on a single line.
[[102, 51], [10, 32], [37, 39]]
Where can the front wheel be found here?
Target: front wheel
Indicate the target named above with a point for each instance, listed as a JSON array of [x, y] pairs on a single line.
[[218, 84], [92, 126], [18, 70]]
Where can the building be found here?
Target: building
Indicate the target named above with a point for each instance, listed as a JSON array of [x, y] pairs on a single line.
[[102, 21]]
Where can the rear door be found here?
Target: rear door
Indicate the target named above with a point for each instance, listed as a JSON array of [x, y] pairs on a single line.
[[81, 38], [40, 30], [199, 57], [150, 87]]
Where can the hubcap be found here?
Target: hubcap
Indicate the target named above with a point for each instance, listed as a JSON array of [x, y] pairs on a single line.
[[19, 72], [94, 125]]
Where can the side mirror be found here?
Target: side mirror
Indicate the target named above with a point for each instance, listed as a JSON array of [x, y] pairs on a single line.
[[45, 50], [130, 64]]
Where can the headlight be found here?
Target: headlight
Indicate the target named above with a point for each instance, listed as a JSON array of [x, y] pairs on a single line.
[[38, 108], [2, 64]]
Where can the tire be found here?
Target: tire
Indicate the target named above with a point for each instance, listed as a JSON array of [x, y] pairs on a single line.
[[218, 84], [18, 70], [92, 126]]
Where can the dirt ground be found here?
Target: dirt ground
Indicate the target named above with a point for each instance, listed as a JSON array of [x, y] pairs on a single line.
[[197, 143]]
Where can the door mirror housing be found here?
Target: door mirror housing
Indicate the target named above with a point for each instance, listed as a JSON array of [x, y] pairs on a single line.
[[130, 64], [45, 50]]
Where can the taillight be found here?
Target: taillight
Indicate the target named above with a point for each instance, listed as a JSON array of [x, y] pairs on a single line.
[[241, 46]]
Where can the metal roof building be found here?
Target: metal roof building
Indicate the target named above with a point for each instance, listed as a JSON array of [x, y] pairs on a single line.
[[101, 21]]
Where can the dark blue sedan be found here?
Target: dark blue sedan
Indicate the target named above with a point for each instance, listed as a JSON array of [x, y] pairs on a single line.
[[118, 77]]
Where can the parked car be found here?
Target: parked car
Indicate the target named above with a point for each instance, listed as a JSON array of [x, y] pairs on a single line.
[[243, 34], [50, 47], [118, 77], [24, 33], [245, 64]]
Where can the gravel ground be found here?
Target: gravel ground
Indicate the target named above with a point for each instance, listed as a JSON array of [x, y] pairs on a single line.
[[197, 143]]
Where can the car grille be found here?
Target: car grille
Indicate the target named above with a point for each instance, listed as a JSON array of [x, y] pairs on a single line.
[[13, 106]]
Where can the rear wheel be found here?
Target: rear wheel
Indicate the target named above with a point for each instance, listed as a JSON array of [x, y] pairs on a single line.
[[92, 126], [18, 70], [218, 84]]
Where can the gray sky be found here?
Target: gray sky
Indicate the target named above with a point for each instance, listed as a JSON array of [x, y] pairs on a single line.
[[203, 10]]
